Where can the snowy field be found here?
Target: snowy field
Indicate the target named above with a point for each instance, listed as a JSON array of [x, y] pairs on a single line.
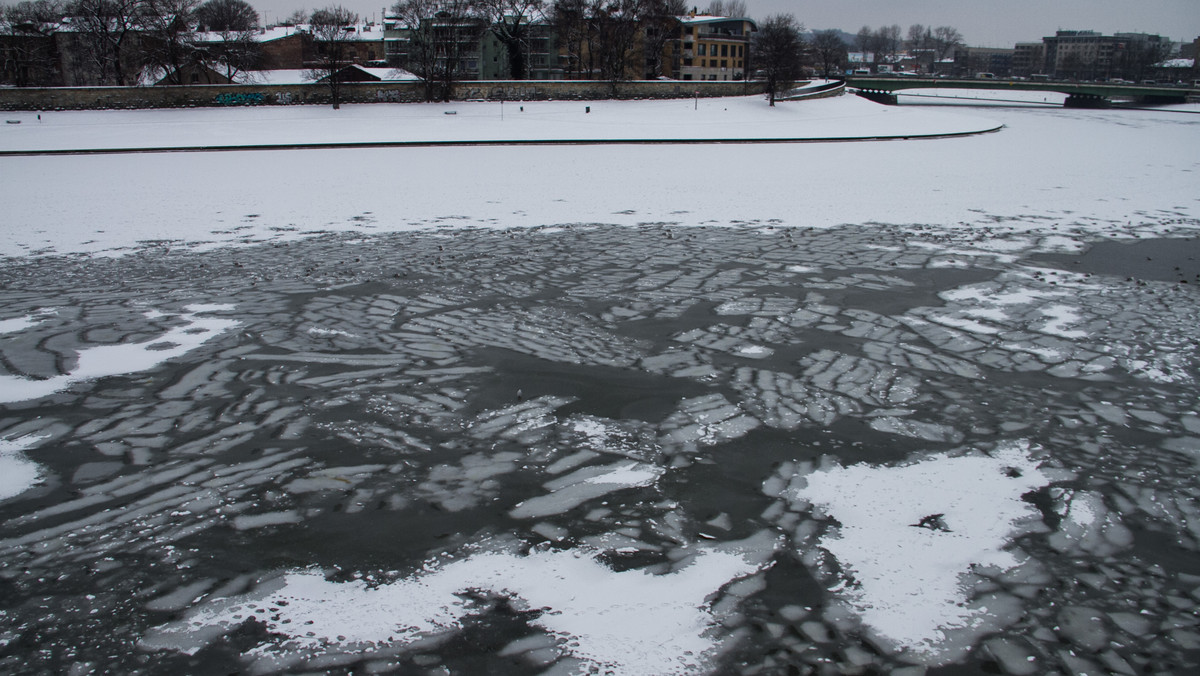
[[922, 406]]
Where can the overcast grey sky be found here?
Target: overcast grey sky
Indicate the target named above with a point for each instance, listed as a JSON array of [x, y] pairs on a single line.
[[984, 23]]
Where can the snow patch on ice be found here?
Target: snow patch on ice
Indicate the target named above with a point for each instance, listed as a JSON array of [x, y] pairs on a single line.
[[17, 472], [629, 622], [911, 534], [21, 323], [1062, 316], [112, 360], [323, 332]]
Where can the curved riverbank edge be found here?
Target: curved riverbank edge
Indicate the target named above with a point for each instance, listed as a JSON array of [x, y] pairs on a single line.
[[513, 142]]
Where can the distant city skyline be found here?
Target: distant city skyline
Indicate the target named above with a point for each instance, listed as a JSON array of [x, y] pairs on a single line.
[[983, 23]]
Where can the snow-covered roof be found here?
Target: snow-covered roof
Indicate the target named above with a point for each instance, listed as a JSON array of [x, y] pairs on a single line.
[[359, 31], [1176, 63], [388, 74], [283, 76], [269, 34], [291, 76], [701, 19]]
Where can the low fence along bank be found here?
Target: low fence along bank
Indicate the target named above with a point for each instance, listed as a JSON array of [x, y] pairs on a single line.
[[195, 96]]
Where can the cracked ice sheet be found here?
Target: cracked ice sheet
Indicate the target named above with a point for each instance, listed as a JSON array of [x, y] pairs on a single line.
[[902, 580], [628, 622], [113, 360]]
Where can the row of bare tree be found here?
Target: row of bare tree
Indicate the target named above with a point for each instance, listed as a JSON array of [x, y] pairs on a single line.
[[886, 41], [110, 42]]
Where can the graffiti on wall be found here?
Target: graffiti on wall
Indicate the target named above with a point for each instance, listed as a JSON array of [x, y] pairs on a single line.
[[240, 99]]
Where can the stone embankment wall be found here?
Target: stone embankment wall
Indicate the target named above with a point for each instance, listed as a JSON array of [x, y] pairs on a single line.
[[97, 98]]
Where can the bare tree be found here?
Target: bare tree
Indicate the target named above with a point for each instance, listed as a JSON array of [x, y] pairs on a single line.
[[169, 42], [108, 31], [230, 44], [331, 29], [511, 22], [778, 51], [889, 40], [945, 40], [830, 51], [660, 25], [730, 8], [569, 20], [864, 39], [441, 35], [615, 32], [296, 18], [29, 55], [218, 16], [917, 36]]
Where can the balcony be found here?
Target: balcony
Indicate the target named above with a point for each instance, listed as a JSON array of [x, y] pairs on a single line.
[[711, 37]]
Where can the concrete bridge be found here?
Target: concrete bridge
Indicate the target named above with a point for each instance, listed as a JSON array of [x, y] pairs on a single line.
[[1079, 94]]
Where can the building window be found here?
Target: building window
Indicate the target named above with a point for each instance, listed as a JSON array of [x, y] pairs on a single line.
[[724, 63], [700, 50], [724, 50]]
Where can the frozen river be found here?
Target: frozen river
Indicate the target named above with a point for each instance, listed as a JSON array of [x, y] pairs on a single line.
[[607, 447]]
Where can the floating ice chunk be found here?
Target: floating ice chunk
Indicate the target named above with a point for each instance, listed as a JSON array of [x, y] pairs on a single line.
[[17, 472], [1133, 623], [250, 521], [181, 598], [461, 487], [910, 535], [1191, 423], [111, 360], [1163, 367], [1084, 627], [706, 421], [742, 306], [916, 429], [1013, 656], [586, 484], [629, 622], [754, 351], [333, 479], [1087, 526], [969, 325], [629, 438], [529, 422]]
